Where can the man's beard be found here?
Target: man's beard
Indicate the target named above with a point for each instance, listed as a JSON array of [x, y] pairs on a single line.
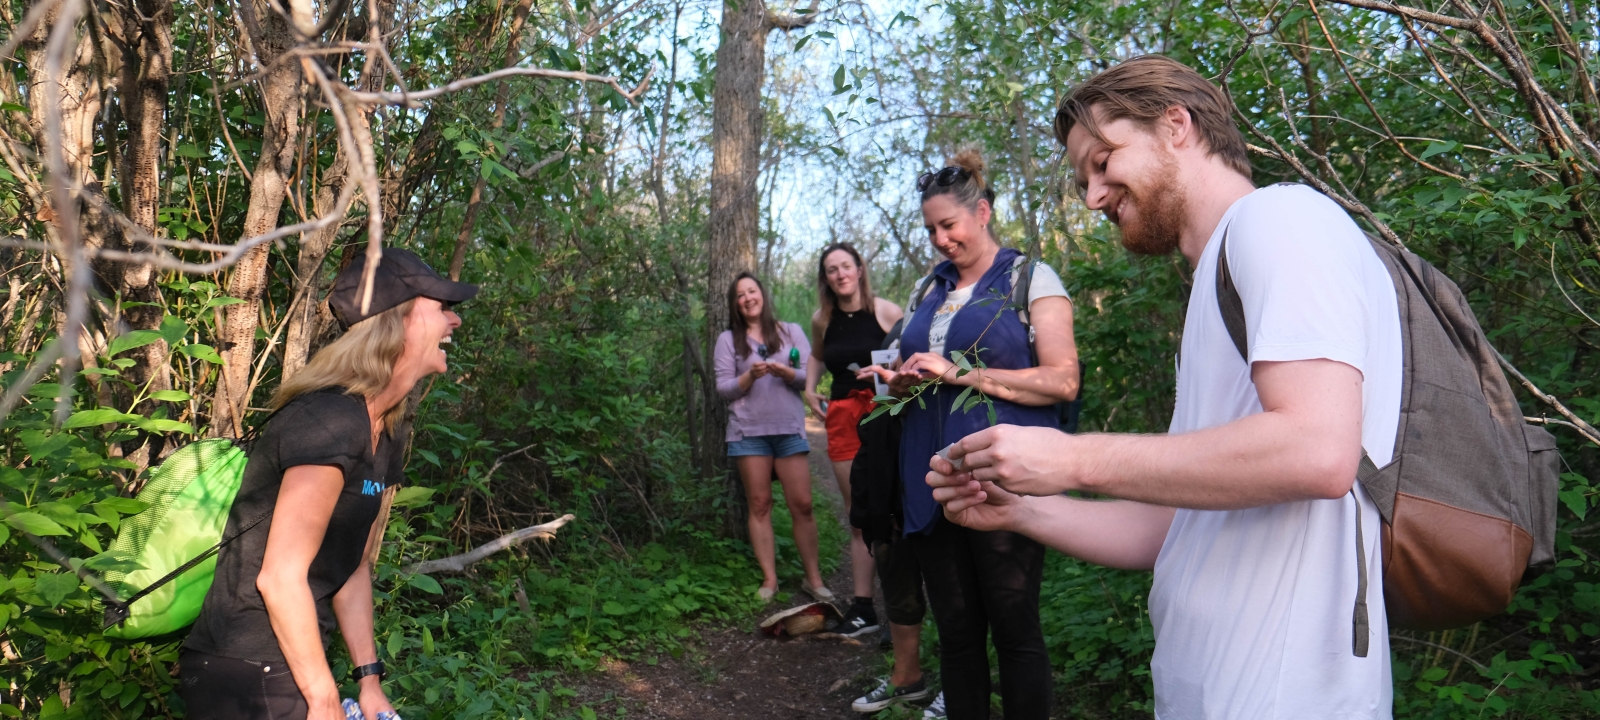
[[1161, 204]]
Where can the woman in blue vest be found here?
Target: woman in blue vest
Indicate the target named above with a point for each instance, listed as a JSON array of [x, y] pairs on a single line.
[[979, 583]]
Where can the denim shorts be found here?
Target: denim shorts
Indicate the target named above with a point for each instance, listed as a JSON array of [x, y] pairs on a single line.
[[777, 446]]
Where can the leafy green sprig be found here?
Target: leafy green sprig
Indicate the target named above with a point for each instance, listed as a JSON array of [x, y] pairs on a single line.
[[966, 361]]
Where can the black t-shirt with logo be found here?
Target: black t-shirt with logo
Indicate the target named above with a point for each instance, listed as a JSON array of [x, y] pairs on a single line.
[[326, 427]]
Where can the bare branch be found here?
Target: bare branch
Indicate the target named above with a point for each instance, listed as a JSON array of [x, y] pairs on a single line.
[[1577, 423], [458, 563], [413, 99]]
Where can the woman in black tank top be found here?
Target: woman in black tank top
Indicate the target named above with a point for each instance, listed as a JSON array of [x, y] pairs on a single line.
[[849, 324]]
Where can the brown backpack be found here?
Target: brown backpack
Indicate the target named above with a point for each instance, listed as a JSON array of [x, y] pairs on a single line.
[[1469, 500]]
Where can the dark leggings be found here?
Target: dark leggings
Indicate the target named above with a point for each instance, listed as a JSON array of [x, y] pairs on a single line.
[[977, 582]]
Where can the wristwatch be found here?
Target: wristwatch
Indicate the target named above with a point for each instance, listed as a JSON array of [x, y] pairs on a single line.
[[365, 670]]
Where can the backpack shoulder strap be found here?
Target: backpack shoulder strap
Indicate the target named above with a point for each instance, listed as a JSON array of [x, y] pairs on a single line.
[[1022, 290], [919, 293], [1229, 302]]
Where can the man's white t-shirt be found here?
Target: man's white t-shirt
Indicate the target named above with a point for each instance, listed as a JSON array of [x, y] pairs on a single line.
[[1253, 608], [1045, 283]]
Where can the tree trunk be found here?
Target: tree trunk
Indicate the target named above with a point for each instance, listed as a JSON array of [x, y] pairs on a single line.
[[307, 313], [736, 129], [737, 126], [281, 101], [146, 39]]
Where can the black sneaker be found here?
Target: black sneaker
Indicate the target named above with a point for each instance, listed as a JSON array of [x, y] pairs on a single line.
[[887, 694], [861, 620]]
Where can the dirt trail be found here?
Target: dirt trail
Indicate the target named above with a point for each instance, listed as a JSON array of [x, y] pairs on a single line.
[[737, 673]]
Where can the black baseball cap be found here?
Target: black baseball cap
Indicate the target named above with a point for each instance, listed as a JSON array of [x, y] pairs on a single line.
[[401, 276]]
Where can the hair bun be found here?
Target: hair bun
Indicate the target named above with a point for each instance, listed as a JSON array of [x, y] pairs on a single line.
[[971, 160]]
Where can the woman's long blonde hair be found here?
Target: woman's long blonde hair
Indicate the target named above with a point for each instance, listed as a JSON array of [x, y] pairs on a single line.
[[361, 361]]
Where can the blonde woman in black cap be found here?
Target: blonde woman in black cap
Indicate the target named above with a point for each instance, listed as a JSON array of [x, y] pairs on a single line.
[[318, 472]]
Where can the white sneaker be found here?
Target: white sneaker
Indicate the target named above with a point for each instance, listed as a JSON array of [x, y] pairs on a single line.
[[935, 710]]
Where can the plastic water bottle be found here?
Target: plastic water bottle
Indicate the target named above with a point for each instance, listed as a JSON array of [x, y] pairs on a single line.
[[352, 711], [794, 357]]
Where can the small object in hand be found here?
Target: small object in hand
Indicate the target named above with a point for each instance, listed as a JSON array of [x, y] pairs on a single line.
[[853, 367], [945, 454], [352, 711], [763, 350], [794, 357]]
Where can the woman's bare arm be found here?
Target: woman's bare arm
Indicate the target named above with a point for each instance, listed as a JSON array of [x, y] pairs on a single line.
[[353, 606], [1055, 378], [299, 521]]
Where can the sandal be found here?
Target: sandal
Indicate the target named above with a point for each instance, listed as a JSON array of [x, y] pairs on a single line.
[[766, 594], [821, 592]]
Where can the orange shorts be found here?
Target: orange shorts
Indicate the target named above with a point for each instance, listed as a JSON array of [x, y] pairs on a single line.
[[844, 416]]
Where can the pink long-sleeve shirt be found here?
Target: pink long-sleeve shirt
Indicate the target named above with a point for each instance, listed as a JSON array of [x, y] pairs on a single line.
[[771, 406]]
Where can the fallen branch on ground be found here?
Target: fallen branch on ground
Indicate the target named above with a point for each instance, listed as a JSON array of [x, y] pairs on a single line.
[[459, 563]]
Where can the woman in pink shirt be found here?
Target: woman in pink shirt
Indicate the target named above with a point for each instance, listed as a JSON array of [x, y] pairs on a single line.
[[761, 369]]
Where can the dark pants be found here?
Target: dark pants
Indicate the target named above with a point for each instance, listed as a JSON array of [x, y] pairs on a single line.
[[902, 582], [978, 582], [219, 688]]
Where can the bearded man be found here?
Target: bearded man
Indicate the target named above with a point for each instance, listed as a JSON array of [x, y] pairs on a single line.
[[1247, 508]]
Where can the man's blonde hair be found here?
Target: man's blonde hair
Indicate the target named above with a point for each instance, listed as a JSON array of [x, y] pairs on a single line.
[[1141, 90]]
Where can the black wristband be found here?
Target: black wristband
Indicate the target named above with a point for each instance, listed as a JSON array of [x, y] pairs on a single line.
[[365, 670]]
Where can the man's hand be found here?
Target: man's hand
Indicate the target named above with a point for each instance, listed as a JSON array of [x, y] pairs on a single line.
[[1022, 460], [972, 503]]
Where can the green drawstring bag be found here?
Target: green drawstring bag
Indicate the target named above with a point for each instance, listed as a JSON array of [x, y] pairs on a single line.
[[175, 540]]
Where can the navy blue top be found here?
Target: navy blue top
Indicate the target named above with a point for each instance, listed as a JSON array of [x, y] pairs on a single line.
[[1004, 346]]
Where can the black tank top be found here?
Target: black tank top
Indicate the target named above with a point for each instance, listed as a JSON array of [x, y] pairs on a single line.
[[850, 338]]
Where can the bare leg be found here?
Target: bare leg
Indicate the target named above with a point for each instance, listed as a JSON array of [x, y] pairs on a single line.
[[907, 654], [860, 560], [756, 472], [795, 474]]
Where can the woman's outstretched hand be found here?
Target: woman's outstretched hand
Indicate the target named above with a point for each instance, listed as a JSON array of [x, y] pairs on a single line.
[[927, 366], [373, 700]]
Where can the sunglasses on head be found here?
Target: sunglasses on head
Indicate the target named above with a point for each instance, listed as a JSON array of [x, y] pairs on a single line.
[[948, 176]]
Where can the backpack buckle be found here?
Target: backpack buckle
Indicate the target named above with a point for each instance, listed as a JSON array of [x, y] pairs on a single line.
[[116, 612]]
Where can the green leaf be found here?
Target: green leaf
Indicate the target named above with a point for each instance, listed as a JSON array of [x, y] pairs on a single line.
[[612, 607], [126, 506], [395, 644], [170, 396], [97, 416], [13, 107], [173, 329], [1576, 500], [956, 404], [220, 302], [1434, 674], [426, 584], [35, 524], [54, 587], [412, 495], [801, 42], [131, 340], [1436, 147], [202, 352], [158, 425]]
